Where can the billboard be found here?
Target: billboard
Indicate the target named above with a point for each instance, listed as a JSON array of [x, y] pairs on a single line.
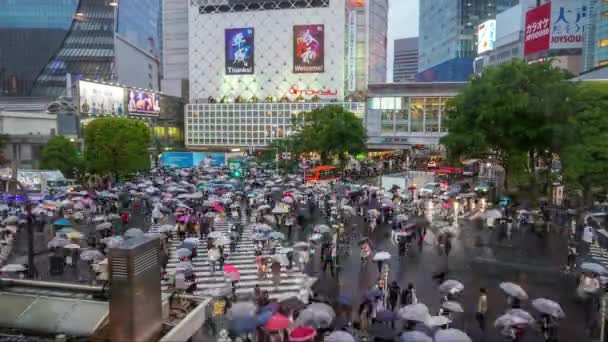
[[537, 33], [486, 36], [98, 99], [308, 49], [193, 159], [568, 21], [143, 102], [239, 47]]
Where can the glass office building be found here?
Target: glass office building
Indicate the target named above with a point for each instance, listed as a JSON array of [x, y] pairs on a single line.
[[448, 36], [31, 31], [139, 23], [247, 124], [595, 47]]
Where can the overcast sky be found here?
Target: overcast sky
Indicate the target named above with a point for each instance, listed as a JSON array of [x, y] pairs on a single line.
[[402, 23]]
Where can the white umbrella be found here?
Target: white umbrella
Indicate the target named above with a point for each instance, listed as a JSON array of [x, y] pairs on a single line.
[[72, 246], [548, 307], [514, 290], [521, 314], [91, 254], [451, 335], [104, 226], [321, 229], [11, 220], [593, 267], [507, 320], [288, 200], [451, 286], [452, 306], [133, 232], [437, 321], [414, 312], [415, 336], [339, 336], [492, 213], [58, 242], [382, 256], [13, 268], [280, 209], [183, 253]]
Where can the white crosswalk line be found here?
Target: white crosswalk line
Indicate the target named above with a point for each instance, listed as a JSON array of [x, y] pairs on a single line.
[[292, 281]]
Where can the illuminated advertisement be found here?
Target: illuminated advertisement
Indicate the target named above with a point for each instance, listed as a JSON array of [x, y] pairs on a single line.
[[100, 99], [537, 30], [486, 36], [568, 21], [351, 51], [308, 49], [143, 102], [239, 47]]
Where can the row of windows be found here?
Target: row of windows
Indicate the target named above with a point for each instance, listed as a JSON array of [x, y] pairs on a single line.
[[208, 6]]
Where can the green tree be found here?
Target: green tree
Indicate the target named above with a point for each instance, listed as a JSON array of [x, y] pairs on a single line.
[[116, 146], [61, 154], [510, 110], [585, 159], [331, 131]]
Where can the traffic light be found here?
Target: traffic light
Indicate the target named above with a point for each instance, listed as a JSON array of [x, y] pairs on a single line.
[[236, 173]]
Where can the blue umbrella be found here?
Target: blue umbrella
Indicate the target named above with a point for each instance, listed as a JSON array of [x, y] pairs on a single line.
[[386, 316], [63, 222], [276, 236], [243, 325], [373, 294], [263, 317], [343, 300], [272, 307]]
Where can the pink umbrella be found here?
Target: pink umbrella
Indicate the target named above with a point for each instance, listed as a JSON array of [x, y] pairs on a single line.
[[277, 322], [232, 272], [217, 207], [302, 334]]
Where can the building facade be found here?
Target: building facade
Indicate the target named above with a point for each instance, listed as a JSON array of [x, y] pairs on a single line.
[[46, 45], [175, 48], [405, 61], [595, 47], [401, 115], [447, 49]]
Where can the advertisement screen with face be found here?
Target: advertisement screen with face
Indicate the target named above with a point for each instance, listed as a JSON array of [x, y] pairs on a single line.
[[308, 49], [143, 102], [98, 99]]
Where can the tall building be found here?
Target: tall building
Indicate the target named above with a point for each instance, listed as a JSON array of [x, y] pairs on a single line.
[[405, 61], [47, 44], [175, 48], [448, 36], [595, 47], [377, 28]]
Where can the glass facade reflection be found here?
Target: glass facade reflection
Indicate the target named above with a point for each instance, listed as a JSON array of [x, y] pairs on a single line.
[[409, 114], [247, 124], [31, 31], [139, 23]]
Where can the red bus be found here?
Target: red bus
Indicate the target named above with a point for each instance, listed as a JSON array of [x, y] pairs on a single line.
[[447, 175], [323, 173]]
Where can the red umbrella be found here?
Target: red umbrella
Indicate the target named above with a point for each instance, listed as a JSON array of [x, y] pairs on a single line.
[[277, 322], [302, 334], [232, 272]]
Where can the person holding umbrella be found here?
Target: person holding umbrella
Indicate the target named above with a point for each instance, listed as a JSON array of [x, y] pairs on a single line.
[[393, 295]]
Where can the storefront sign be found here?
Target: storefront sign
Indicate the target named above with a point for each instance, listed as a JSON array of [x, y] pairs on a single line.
[[294, 90], [308, 49], [568, 21], [538, 29], [486, 36], [352, 51]]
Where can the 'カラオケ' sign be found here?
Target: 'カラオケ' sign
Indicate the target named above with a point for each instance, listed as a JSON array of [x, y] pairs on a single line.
[[538, 29]]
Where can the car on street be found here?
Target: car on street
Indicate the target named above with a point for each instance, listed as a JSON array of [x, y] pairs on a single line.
[[484, 186], [456, 189], [430, 189]]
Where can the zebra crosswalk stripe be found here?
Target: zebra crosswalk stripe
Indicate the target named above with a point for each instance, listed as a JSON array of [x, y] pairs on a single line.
[[292, 282]]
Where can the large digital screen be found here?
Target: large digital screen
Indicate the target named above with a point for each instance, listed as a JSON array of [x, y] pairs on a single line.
[[98, 99], [143, 102], [239, 46], [308, 49], [486, 36], [193, 159]]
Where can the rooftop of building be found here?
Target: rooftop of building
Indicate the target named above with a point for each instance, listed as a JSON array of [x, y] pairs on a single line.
[[25, 104], [416, 88], [410, 43]]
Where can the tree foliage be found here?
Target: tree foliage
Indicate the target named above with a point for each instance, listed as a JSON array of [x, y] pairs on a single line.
[[116, 146], [331, 131], [510, 110], [62, 154]]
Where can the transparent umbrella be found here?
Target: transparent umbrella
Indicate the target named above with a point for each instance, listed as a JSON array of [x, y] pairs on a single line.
[[548, 307], [452, 335], [415, 336], [514, 290], [415, 312], [91, 254], [451, 286]]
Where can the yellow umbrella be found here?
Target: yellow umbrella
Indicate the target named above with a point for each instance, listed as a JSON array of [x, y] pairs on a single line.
[[74, 235]]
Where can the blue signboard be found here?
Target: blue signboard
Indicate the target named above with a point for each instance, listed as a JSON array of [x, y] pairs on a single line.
[[192, 159]]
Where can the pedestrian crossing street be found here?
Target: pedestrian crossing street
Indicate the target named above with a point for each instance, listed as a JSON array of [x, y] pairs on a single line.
[[598, 254], [292, 283]]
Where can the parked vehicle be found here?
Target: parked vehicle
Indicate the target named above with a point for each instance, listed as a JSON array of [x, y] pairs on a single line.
[[471, 167], [430, 189], [456, 189]]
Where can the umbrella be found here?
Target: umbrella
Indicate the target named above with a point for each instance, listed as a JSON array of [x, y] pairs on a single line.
[[507, 320], [386, 316], [183, 253], [523, 314], [317, 318], [292, 303], [243, 309], [451, 286], [112, 241], [437, 321], [514, 290], [452, 306], [277, 322], [91, 254], [58, 242], [232, 272], [339, 336], [276, 236], [302, 334], [13, 268], [259, 237], [452, 335], [11, 220], [104, 226], [301, 246], [548, 307], [216, 235], [184, 266], [133, 232], [322, 229], [262, 228], [381, 256], [415, 312], [373, 294], [72, 246], [74, 235], [382, 331], [243, 325], [263, 317], [593, 267], [415, 336], [63, 222], [493, 213]]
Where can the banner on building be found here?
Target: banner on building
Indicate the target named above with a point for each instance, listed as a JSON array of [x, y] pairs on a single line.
[[143, 102], [239, 46], [308, 49], [537, 34], [352, 51], [568, 21], [100, 99], [486, 36]]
